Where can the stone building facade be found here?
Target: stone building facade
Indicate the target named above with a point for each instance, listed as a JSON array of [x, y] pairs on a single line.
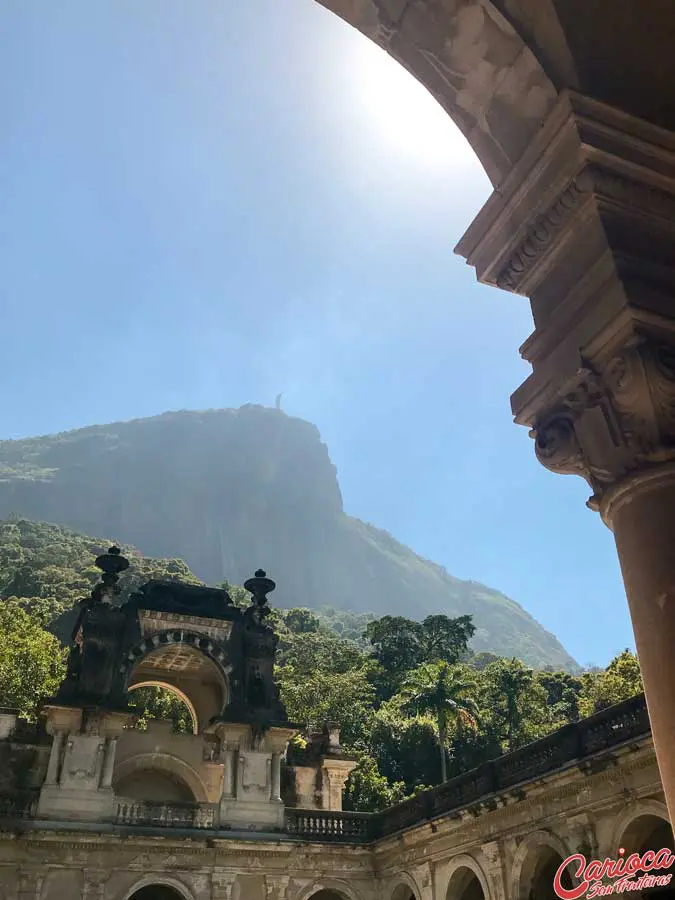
[[91, 808]]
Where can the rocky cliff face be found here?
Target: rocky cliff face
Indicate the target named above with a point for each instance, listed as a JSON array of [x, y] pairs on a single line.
[[233, 490]]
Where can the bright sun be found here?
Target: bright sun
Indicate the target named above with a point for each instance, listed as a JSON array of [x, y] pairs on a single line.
[[401, 112]]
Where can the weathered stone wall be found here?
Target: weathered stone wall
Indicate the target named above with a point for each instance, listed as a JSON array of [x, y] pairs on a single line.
[[495, 849]]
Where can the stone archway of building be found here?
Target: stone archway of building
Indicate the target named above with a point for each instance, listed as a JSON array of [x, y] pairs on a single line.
[[332, 889], [465, 885], [466, 880], [405, 889], [158, 777], [177, 692], [535, 864], [473, 61], [158, 888], [190, 673], [646, 830], [157, 892]]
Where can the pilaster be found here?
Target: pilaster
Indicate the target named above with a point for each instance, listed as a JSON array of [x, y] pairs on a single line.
[[78, 783], [334, 775], [495, 869], [251, 796]]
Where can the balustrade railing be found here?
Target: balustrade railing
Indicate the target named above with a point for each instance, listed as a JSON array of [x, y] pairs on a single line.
[[166, 815], [321, 825], [572, 745]]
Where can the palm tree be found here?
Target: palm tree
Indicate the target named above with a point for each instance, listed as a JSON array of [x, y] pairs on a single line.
[[444, 691]]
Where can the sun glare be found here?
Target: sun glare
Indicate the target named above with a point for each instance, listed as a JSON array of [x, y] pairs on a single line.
[[401, 113]]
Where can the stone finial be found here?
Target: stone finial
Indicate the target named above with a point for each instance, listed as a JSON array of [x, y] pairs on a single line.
[[111, 564], [260, 586]]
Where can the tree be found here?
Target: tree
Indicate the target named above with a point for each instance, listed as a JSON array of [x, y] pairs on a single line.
[[320, 697], [367, 790], [515, 701], [160, 703], [401, 644], [562, 696], [445, 692], [32, 662], [443, 638], [619, 681], [301, 621]]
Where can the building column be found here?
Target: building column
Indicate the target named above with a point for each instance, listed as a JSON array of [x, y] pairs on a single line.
[[275, 790], [228, 757], [54, 765], [585, 227], [108, 762]]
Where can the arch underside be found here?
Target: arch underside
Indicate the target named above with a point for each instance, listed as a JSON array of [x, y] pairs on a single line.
[[472, 61], [176, 691], [195, 673], [158, 777]]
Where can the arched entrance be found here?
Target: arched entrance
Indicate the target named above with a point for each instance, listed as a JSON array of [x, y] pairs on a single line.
[[157, 892], [536, 875], [465, 885], [649, 832]]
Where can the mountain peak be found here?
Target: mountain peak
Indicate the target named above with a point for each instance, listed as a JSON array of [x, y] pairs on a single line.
[[230, 489]]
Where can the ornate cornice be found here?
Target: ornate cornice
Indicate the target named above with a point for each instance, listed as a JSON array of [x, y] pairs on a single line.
[[542, 234]]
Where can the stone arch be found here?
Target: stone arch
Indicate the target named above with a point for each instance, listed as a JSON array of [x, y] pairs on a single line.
[[404, 887], [642, 809], [473, 61], [174, 690], [189, 662], [180, 890], [644, 826], [537, 858], [328, 888], [466, 880], [166, 765]]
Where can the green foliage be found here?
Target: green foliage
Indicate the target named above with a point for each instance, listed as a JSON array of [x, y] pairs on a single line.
[[407, 695], [402, 644], [367, 790], [160, 703], [32, 662], [515, 702], [619, 681], [447, 693]]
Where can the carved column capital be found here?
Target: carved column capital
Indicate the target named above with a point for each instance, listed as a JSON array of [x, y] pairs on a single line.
[[614, 422]]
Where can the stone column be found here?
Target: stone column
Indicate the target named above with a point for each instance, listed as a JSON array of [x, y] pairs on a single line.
[[641, 512], [335, 773], [228, 758], [108, 762], [585, 227], [54, 765], [275, 790]]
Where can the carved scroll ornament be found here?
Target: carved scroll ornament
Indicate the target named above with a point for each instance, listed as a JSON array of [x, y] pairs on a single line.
[[613, 420]]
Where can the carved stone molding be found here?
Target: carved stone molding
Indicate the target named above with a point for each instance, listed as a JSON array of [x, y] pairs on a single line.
[[613, 420], [542, 233]]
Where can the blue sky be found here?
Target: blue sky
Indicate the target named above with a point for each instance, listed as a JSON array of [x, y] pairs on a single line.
[[207, 203]]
